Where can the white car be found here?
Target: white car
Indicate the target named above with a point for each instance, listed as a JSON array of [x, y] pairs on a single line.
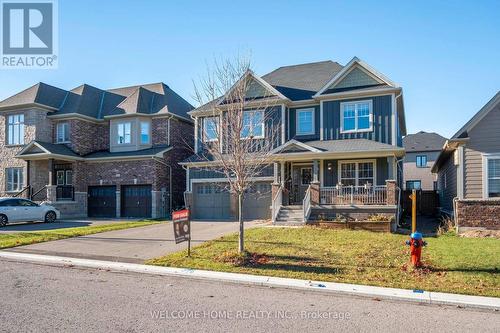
[[23, 210]]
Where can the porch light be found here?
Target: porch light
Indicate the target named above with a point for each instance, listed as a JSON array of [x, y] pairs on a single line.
[[330, 166]]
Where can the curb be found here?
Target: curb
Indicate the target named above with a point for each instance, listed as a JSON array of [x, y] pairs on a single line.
[[419, 296]]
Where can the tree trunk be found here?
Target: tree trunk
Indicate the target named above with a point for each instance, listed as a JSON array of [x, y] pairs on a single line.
[[241, 245]]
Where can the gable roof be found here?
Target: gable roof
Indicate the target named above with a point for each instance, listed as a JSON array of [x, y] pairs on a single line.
[[423, 141], [301, 82], [462, 132], [356, 63], [89, 101]]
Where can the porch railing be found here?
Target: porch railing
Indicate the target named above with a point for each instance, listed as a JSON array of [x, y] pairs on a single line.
[[65, 192], [306, 204], [353, 195], [276, 204]]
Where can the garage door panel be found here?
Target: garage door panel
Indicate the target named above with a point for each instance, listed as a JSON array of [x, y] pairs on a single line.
[[136, 201], [101, 201], [210, 202]]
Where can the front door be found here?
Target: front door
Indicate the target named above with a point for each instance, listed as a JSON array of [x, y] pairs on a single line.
[[301, 178]]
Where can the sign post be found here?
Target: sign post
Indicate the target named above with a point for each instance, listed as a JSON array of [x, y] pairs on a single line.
[[182, 227]]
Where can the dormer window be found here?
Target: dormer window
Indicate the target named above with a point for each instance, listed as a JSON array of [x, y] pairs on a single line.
[[356, 116], [62, 132], [124, 133], [253, 124], [305, 121], [210, 129]]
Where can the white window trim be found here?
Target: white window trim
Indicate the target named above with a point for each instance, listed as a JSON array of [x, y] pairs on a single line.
[[21, 134], [297, 112], [117, 139], [204, 134], [21, 185], [149, 132], [263, 125], [486, 158], [60, 125], [310, 168], [339, 175], [356, 130], [61, 172]]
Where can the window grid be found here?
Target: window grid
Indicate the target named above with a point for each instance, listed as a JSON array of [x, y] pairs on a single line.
[[210, 127], [15, 129], [14, 179], [357, 116], [305, 122], [253, 124], [493, 189], [124, 133], [421, 161], [357, 173], [62, 135]]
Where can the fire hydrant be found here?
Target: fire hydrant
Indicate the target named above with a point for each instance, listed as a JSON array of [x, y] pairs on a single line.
[[416, 243]]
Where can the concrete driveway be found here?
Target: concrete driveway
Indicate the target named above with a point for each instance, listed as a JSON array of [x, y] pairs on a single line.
[[133, 245], [60, 224]]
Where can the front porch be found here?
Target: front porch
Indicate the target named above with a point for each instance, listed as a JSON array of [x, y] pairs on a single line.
[[341, 189]]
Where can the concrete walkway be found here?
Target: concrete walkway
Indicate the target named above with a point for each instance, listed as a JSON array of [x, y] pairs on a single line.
[[133, 245]]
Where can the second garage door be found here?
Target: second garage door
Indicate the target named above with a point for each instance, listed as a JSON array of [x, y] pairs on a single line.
[[136, 201], [211, 202], [257, 203]]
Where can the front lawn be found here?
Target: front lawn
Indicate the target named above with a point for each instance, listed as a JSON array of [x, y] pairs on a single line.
[[26, 238], [452, 264]]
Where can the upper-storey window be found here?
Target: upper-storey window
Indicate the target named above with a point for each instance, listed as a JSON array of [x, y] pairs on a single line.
[[305, 121], [15, 129], [253, 124], [210, 128], [62, 132], [124, 133], [145, 136], [493, 176], [356, 116], [421, 161]]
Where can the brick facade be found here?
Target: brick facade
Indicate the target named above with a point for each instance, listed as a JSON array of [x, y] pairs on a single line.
[[87, 137], [478, 214]]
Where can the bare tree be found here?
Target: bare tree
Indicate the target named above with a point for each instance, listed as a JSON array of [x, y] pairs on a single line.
[[239, 130]]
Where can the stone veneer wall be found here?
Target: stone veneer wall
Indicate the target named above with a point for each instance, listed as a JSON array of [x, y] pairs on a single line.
[[37, 127], [478, 214]]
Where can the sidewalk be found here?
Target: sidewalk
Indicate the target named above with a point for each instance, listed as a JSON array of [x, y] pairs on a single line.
[[419, 296]]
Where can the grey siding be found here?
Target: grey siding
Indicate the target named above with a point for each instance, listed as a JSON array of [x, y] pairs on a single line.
[[382, 113], [331, 177], [483, 138], [447, 184], [293, 124], [211, 173]]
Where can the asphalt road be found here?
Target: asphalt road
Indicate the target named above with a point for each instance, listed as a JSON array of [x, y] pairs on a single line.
[[38, 298]]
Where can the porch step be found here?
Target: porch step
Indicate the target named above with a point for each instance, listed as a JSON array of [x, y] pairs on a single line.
[[290, 216]]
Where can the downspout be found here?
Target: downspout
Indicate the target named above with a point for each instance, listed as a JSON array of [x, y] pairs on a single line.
[[170, 195]]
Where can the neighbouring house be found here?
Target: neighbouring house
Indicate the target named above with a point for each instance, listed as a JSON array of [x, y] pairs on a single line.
[[468, 170], [339, 142], [97, 153], [422, 150]]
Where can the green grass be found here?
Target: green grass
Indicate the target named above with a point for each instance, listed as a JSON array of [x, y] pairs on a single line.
[[452, 264], [26, 238]]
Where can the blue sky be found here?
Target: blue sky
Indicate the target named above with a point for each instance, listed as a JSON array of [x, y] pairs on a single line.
[[444, 54]]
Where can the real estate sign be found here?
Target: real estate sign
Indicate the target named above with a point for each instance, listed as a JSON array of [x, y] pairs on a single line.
[[182, 227]]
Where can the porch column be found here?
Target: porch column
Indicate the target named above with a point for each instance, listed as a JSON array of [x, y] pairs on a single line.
[[315, 171], [276, 180], [315, 186], [282, 173], [390, 168], [51, 188]]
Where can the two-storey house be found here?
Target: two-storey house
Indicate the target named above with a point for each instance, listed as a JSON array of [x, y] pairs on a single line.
[[93, 152], [338, 147]]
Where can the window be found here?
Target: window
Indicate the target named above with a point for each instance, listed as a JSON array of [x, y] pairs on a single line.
[[413, 185], [60, 177], [357, 173], [210, 128], [62, 132], [26, 203], [253, 124], [15, 129], [421, 161], [14, 177], [124, 133], [144, 132], [69, 177], [493, 177], [305, 176], [305, 121], [356, 116]]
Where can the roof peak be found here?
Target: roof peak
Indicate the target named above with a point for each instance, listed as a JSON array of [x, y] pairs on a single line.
[[309, 63]]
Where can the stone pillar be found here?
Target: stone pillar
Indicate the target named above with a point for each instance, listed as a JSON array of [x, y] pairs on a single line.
[[51, 193], [315, 195], [391, 192], [51, 171]]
